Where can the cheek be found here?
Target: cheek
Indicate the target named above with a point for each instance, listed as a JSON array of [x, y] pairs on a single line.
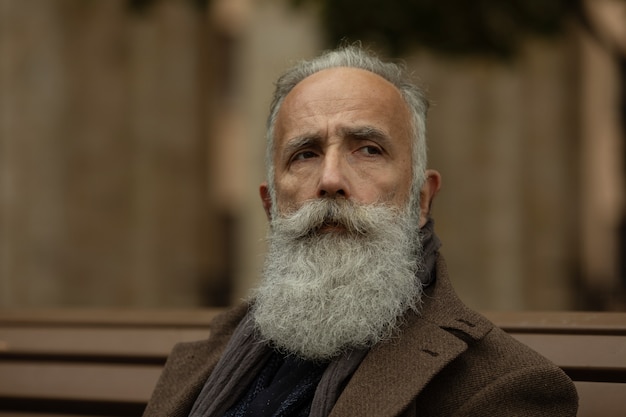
[[290, 194], [399, 187], [382, 189]]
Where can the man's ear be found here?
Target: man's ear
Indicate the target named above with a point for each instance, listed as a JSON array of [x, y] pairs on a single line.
[[429, 190], [266, 199]]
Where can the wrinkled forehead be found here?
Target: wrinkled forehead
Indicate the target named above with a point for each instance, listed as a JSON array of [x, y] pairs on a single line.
[[350, 94], [340, 83]]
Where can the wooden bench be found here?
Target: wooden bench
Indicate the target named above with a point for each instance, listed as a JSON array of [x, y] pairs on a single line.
[[589, 347], [88, 362], [106, 362]]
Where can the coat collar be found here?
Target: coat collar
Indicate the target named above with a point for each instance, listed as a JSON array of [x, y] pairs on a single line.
[[428, 342]]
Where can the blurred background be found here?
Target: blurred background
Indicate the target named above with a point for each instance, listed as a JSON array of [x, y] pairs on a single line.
[[132, 138]]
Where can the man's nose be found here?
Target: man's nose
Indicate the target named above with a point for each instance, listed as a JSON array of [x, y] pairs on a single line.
[[333, 178]]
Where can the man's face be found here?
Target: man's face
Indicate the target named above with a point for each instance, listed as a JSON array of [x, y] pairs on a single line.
[[342, 163], [343, 132]]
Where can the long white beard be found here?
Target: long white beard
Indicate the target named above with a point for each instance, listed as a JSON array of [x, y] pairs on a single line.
[[324, 292]]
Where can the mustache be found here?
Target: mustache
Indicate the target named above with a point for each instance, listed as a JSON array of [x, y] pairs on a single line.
[[351, 217]]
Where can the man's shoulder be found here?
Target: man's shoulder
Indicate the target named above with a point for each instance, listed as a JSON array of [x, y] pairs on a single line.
[[490, 366], [499, 373], [443, 308]]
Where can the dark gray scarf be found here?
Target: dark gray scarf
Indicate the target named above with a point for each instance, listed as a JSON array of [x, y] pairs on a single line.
[[245, 356]]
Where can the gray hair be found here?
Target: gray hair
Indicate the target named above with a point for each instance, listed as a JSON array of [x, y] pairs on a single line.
[[355, 57]]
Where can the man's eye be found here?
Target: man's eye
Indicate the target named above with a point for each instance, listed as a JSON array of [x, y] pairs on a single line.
[[371, 150], [304, 155]]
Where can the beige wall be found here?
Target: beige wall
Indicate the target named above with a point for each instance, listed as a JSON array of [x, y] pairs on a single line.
[[103, 194], [602, 152], [132, 150], [503, 136]]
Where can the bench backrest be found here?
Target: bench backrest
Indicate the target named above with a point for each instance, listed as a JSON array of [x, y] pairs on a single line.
[[589, 347], [88, 362], [106, 363]]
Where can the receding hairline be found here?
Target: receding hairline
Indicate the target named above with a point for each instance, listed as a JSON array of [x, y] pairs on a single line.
[[384, 88]]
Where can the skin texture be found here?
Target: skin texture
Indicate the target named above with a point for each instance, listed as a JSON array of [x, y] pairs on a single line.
[[345, 132]]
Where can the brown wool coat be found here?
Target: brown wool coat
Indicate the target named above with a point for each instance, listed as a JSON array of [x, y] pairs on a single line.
[[448, 361]]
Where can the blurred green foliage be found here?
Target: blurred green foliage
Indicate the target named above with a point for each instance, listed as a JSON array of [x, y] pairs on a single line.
[[457, 27], [141, 6], [488, 27]]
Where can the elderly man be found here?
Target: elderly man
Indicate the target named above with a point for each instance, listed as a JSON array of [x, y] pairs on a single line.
[[355, 314]]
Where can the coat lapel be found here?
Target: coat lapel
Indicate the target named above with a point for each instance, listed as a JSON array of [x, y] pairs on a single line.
[[394, 373]]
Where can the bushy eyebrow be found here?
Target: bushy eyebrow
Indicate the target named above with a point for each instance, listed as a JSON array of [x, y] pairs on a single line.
[[365, 133], [354, 132], [298, 142]]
